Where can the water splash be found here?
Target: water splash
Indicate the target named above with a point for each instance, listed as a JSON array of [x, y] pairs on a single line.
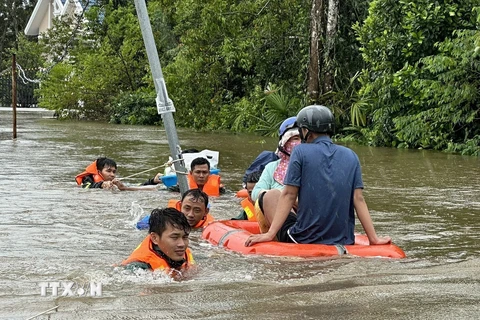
[[136, 213]]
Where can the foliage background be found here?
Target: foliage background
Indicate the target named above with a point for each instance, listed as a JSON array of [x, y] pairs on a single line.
[[406, 73]]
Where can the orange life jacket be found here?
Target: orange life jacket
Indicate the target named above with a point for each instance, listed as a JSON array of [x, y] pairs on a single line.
[[211, 187], [204, 222], [145, 253], [249, 209], [173, 203], [177, 204], [91, 170]]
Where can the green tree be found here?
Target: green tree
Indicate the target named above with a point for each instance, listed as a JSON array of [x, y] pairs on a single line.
[[229, 52], [444, 92], [396, 36], [221, 59], [334, 57], [93, 61], [29, 53], [14, 15]]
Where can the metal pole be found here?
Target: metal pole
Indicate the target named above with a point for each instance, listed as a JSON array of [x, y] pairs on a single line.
[[14, 95], [164, 104]]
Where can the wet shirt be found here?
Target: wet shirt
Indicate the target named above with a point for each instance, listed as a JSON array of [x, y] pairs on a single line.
[[88, 182], [326, 175]]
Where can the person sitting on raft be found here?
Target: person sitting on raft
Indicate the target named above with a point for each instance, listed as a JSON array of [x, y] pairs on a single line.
[[248, 204], [326, 178], [166, 245], [101, 173], [265, 157], [194, 205], [200, 177], [268, 189]]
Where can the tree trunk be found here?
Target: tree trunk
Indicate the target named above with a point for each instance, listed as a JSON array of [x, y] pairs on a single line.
[[329, 50], [316, 40]]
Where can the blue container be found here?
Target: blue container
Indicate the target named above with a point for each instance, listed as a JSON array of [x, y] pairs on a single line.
[[171, 179]]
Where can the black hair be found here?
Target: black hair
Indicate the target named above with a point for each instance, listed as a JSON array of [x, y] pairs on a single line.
[[253, 177], [196, 194], [190, 151], [105, 162], [160, 218], [198, 162]]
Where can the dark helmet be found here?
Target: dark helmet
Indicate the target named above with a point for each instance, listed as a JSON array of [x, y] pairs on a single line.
[[316, 118], [286, 125]]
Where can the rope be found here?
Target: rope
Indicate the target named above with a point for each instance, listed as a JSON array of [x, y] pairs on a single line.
[[21, 74], [136, 174], [23, 77], [166, 164], [41, 313]]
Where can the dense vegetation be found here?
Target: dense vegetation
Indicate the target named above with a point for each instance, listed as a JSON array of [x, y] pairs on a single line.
[[421, 85], [395, 73]]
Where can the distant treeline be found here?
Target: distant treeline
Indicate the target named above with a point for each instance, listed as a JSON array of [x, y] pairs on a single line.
[[395, 73]]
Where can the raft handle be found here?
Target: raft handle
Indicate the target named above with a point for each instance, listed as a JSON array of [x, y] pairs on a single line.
[[226, 235]]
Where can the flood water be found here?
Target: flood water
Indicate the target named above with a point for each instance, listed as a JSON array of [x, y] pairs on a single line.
[[52, 230]]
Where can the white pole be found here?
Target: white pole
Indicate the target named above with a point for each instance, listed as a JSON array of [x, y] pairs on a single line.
[[164, 104]]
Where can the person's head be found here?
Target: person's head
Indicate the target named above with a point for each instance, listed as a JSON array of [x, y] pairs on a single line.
[[194, 206], [286, 125], [252, 179], [169, 230], [200, 170], [107, 168], [288, 137], [315, 120]]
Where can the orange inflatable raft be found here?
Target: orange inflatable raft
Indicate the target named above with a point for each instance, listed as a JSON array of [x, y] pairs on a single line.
[[232, 234]]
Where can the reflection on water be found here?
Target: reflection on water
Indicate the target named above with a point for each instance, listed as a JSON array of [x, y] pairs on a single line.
[[51, 230]]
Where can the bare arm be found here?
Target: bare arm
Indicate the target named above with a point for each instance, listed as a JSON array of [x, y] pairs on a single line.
[[365, 219], [153, 181], [121, 186], [285, 204]]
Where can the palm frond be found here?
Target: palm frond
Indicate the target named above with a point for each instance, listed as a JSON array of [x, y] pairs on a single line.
[[278, 107]]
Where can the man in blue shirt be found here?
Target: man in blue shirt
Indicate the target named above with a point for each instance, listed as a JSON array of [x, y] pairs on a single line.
[[327, 179]]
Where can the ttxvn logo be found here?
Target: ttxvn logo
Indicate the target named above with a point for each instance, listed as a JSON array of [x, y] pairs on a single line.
[[70, 289]]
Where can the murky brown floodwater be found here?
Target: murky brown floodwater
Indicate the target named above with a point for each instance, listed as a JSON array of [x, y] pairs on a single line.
[[51, 230]]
